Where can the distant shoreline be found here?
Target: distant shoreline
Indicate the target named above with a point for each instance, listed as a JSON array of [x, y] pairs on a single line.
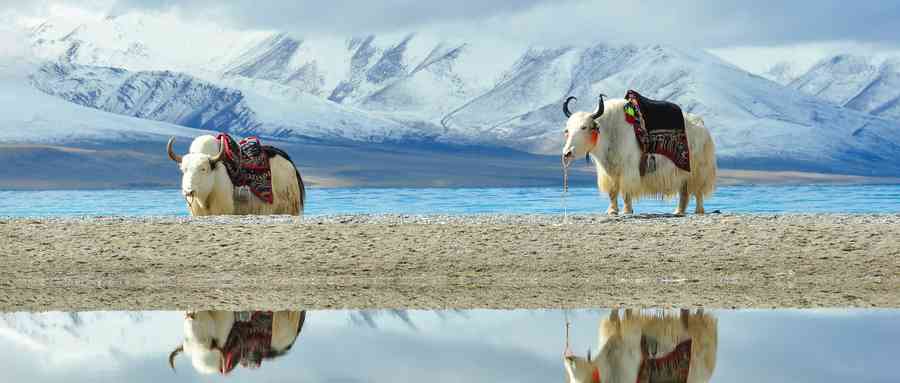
[[437, 262], [144, 164]]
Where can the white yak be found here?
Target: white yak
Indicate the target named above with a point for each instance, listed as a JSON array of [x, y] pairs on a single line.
[[213, 345], [647, 347], [208, 189], [610, 140]]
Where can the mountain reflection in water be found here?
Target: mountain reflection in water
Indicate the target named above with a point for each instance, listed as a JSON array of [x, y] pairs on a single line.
[[451, 346]]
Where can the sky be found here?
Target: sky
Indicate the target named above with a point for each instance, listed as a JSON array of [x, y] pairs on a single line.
[[750, 32]]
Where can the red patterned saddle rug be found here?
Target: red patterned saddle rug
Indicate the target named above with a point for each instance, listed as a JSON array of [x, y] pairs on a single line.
[[247, 163], [673, 367], [249, 342], [659, 129]]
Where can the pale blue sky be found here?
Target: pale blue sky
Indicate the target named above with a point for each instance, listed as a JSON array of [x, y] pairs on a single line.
[[703, 23]]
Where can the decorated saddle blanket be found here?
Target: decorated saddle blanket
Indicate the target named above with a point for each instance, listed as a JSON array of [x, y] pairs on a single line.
[[250, 341], [673, 367], [659, 129], [247, 163]]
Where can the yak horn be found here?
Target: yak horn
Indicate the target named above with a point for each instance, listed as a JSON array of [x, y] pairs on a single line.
[[566, 106], [600, 107], [214, 159], [171, 152], [172, 356]]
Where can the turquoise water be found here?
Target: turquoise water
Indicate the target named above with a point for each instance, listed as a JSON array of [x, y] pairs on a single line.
[[731, 199]]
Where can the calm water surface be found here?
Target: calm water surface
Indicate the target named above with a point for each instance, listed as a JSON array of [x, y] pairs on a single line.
[[732, 199], [436, 346]]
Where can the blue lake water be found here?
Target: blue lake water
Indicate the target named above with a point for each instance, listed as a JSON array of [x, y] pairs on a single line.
[[730, 199]]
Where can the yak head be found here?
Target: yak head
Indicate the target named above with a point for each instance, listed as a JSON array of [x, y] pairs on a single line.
[[582, 132], [198, 172], [205, 335], [580, 369]]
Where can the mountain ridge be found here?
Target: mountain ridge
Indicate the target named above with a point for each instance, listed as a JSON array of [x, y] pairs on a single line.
[[414, 87]]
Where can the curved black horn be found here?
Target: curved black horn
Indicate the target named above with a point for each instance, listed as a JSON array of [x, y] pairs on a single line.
[[566, 106], [172, 356], [171, 152], [600, 107]]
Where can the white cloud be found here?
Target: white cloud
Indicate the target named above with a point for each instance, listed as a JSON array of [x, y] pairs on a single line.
[[705, 23]]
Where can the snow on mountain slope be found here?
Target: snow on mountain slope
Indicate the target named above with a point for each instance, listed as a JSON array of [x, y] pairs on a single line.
[[782, 72], [524, 107], [861, 83], [750, 117], [881, 97], [160, 96], [283, 108], [275, 58], [837, 79], [395, 87], [410, 77], [28, 115], [184, 100], [409, 73], [135, 41]]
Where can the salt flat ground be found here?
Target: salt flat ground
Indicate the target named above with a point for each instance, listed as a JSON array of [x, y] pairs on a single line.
[[485, 261]]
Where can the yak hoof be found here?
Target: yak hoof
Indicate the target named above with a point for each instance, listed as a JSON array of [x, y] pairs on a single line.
[[629, 211], [678, 212], [612, 212], [700, 211]]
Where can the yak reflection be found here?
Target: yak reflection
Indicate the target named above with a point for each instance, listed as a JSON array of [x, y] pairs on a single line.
[[218, 341], [648, 346]]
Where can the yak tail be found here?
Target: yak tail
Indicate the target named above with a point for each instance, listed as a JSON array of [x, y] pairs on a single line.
[[273, 151], [704, 167], [302, 188]]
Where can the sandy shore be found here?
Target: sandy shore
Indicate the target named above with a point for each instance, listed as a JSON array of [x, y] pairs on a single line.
[[719, 261]]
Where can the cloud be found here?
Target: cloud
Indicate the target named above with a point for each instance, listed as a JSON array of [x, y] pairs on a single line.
[[339, 17], [701, 23], [38, 7]]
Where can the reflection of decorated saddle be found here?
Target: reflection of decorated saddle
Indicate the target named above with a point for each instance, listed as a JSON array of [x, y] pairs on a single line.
[[659, 129], [247, 163], [673, 367], [251, 339]]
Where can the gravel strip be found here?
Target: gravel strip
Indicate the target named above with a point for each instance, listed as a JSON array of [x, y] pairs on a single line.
[[450, 261]]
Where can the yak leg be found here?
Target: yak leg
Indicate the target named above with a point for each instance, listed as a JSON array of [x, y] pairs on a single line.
[[613, 202], [699, 208], [685, 318], [628, 208], [683, 199]]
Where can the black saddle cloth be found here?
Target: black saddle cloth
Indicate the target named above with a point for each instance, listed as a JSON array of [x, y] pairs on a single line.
[[659, 129], [658, 115]]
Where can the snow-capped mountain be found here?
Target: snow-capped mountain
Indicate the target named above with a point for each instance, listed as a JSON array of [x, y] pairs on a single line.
[[184, 100], [861, 83], [411, 86], [782, 72], [31, 116], [161, 96]]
